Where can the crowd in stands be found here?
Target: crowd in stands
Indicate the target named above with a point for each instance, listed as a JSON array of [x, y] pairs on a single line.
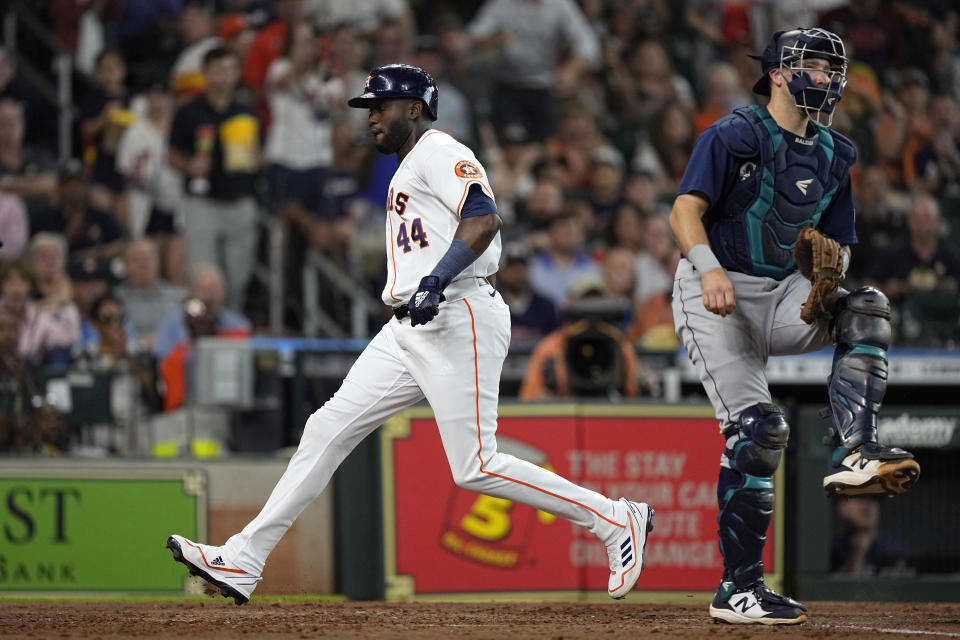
[[196, 121]]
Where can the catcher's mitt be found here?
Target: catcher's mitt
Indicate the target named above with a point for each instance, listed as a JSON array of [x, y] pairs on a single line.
[[820, 260]]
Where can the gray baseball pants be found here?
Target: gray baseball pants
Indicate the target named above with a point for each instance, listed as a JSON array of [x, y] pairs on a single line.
[[731, 353]]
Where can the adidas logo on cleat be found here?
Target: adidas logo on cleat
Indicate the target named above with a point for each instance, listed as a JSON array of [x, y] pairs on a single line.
[[626, 552], [208, 563], [625, 566]]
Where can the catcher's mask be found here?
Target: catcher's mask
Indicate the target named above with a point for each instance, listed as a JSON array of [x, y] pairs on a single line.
[[791, 51]]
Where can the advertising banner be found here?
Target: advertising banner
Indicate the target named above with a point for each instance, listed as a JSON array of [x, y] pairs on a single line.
[[441, 539], [96, 531]]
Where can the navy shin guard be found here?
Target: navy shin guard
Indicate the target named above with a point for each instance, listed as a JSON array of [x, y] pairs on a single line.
[[746, 507], [745, 490], [859, 379]]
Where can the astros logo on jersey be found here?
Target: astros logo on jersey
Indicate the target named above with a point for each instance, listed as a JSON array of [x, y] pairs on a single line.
[[466, 169]]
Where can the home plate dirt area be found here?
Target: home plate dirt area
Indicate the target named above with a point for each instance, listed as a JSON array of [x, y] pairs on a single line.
[[494, 620]]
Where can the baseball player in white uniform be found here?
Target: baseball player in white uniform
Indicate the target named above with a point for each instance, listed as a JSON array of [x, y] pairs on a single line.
[[446, 343]]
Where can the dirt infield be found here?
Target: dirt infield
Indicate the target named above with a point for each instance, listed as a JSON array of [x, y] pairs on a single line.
[[494, 620]]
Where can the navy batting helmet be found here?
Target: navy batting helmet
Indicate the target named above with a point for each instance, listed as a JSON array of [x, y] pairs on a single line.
[[399, 81]]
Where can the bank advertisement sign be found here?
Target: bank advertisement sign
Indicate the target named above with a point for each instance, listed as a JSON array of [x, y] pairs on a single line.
[[96, 531], [441, 539]]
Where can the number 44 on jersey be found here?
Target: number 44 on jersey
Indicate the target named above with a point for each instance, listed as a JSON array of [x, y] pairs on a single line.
[[416, 234]]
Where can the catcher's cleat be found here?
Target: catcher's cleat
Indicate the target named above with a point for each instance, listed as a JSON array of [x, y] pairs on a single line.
[[213, 565], [870, 470], [757, 604], [627, 551]]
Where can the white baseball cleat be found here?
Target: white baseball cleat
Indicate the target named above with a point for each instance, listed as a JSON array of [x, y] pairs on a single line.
[[870, 470], [626, 552], [214, 565]]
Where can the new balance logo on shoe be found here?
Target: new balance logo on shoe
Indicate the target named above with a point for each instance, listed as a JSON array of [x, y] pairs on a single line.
[[744, 607], [803, 184], [857, 462], [217, 562], [757, 605]]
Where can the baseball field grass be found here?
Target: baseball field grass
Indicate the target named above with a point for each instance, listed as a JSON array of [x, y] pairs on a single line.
[[330, 617]]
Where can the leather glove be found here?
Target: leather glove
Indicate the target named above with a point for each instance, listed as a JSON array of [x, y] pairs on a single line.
[[820, 260]]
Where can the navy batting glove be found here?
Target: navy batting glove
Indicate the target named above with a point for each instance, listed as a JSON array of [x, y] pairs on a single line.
[[425, 303]]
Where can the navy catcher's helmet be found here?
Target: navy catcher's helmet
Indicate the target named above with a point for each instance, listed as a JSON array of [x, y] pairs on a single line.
[[788, 50], [399, 81]]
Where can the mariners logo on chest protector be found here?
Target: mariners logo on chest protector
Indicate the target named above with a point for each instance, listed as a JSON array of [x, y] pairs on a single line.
[[746, 170]]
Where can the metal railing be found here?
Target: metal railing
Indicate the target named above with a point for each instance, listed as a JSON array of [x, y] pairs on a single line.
[[60, 92], [318, 273], [319, 270]]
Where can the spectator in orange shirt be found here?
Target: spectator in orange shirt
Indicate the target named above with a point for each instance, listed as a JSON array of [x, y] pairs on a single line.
[[903, 127], [915, 94], [268, 45], [724, 93], [237, 34]]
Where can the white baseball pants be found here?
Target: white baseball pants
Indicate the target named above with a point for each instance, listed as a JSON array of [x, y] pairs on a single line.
[[454, 361]]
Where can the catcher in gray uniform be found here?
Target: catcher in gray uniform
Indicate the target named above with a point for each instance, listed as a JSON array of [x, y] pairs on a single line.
[[765, 219]]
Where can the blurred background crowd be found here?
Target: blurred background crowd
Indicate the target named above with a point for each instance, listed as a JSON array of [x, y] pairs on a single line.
[[175, 168]]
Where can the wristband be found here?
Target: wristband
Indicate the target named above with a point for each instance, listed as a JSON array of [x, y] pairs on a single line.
[[845, 255], [457, 258], [703, 259]]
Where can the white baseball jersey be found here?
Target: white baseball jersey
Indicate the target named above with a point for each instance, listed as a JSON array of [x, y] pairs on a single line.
[[454, 361], [423, 212]]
